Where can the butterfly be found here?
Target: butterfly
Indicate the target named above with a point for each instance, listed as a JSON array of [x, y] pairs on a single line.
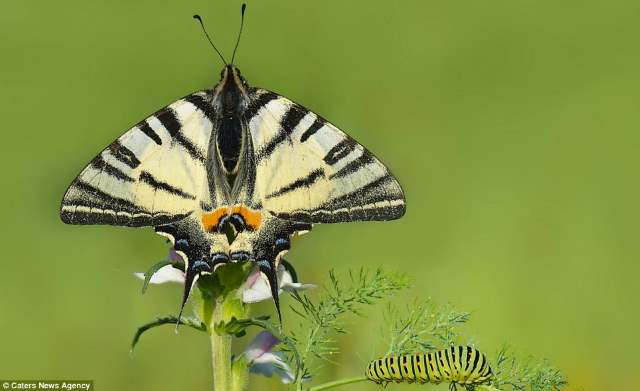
[[233, 158]]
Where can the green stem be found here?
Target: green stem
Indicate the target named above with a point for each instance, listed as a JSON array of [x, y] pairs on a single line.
[[220, 353], [338, 383], [301, 369]]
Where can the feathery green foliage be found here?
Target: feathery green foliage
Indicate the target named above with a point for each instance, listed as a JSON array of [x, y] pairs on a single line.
[[525, 374], [321, 318], [422, 326]]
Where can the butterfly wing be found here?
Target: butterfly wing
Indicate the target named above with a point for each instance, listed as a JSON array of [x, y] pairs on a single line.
[[155, 173], [310, 171]]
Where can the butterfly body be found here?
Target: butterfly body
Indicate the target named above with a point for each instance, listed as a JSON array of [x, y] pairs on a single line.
[[232, 157]]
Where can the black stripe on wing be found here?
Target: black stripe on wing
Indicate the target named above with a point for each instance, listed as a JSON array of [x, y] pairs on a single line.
[[164, 186], [110, 217], [101, 165], [257, 103], [169, 120], [106, 198], [288, 123], [340, 151], [124, 154], [370, 202], [354, 165], [298, 183], [203, 104], [98, 207], [144, 127], [315, 126], [364, 193]]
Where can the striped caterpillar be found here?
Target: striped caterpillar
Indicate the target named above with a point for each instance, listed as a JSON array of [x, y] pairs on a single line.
[[462, 365]]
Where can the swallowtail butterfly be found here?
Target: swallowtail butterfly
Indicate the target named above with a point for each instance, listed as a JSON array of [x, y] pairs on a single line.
[[233, 156]]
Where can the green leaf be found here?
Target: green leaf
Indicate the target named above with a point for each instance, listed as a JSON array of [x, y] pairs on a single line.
[[525, 373], [190, 322], [422, 325], [227, 279], [152, 270], [238, 327]]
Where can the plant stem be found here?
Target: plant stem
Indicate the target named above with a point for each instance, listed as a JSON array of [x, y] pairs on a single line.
[[338, 383], [303, 359], [220, 353]]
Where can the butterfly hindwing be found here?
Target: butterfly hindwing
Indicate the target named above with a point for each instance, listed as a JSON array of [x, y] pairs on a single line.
[[153, 174], [310, 171]]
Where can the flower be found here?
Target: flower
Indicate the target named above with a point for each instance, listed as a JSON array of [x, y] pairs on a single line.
[[262, 361], [166, 273], [255, 289]]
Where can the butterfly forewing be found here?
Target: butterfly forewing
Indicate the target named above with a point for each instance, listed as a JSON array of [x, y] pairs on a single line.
[[153, 174], [308, 170]]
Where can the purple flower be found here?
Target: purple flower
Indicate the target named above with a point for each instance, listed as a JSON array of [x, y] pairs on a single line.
[[262, 361]]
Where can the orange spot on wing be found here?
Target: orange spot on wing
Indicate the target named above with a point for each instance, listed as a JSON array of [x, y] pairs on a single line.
[[210, 220], [251, 219]]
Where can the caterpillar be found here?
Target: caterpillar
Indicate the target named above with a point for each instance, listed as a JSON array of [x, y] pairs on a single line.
[[461, 365]]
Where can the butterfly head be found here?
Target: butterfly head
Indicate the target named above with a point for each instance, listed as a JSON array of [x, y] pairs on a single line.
[[231, 88], [230, 77]]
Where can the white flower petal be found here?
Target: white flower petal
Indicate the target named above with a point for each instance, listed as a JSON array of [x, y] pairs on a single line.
[[257, 285], [272, 358], [166, 273], [258, 290], [269, 364], [263, 362], [284, 277], [262, 343]]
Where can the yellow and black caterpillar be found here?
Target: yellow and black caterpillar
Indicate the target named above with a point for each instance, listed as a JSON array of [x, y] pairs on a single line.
[[461, 365]]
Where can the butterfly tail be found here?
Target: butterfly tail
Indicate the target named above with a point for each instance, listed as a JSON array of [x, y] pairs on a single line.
[[268, 268], [193, 272]]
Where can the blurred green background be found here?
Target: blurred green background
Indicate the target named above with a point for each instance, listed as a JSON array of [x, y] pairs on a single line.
[[512, 125]]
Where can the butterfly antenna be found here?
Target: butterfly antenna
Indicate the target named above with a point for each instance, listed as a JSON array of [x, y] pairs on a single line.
[[197, 17], [244, 7]]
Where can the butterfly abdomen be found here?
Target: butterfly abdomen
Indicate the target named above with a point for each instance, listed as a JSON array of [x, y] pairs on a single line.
[[229, 141]]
